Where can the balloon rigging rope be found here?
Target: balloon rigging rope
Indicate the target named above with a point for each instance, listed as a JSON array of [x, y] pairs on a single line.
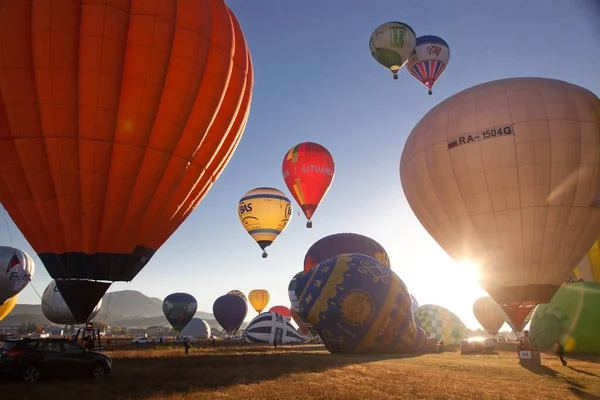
[[7, 226]]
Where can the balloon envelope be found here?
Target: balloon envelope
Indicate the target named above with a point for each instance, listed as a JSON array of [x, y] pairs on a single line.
[[16, 271], [264, 214], [269, 328], [505, 175], [238, 293], [441, 324], [105, 159], [8, 306], [259, 298], [229, 311], [197, 328], [391, 45], [415, 303], [428, 59], [308, 170], [283, 311], [179, 309], [342, 243], [359, 305], [588, 269], [489, 314], [57, 311]]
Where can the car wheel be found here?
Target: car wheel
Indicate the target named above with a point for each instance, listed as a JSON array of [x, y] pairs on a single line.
[[31, 373], [98, 371]]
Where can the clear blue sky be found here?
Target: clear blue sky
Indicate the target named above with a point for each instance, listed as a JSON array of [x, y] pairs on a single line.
[[316, 81]]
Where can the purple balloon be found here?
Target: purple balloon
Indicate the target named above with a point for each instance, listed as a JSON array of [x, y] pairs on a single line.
[[229, 311]]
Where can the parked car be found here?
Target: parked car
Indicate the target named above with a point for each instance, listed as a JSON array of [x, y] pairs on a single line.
[[141, 340], [31, 359], [478, 345]]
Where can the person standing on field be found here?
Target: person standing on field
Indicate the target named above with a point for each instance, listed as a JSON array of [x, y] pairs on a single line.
[[560, 352]]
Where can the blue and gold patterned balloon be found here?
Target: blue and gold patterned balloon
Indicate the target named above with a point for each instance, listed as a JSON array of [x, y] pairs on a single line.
[[359, 305]]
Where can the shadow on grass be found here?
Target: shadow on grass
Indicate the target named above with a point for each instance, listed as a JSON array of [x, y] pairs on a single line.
[[583, 395], [175, 374], [583, 372], [553, 374]]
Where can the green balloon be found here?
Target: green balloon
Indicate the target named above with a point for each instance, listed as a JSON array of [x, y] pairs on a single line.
[[545, 327]]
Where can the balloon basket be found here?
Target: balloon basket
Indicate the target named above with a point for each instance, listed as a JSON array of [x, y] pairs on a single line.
[[395, 76], [309, 224], [430, 92], [264, 254], [530, 358]]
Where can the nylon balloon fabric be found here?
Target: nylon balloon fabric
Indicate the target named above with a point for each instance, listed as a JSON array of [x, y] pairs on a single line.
[[179, 309], [358, 305], [229, 311], [441, 324]]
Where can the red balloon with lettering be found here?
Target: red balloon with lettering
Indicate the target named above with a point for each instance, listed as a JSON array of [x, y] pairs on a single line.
[[308, 170]]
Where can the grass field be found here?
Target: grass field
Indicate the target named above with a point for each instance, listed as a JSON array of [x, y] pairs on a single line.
[[307, 372]]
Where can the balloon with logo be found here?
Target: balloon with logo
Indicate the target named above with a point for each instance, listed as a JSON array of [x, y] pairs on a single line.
[[8, 306], [238, 293], [259, 298], [485, 205], [308, 170], [489, 314], [391, 45], [56, 310], [415, 303], [588, 269], [229, 311], [16, 271], [117, 118], [441, 324], [428, 60], [179, 309], [341, 243], [264, 213], [283, 311], [359, 305]]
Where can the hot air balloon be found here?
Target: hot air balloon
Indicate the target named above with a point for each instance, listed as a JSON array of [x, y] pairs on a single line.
[[16, 271], [197, 328], [239, 294], [415, 303], [269, 328], [574, 309], [229, 311], [283, 311], [359, 305], [179, 309], [504, 175], [489, 315], [295, 307], [259, 298], [428, 60], [308, 170], [391, 45], [341, 243], [301, 325], [440, 323], [588, 269], [264, 213], [56, 310], [8, 306], [109, 144]]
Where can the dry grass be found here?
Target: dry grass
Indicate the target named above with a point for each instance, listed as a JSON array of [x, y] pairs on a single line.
[[306, 372]]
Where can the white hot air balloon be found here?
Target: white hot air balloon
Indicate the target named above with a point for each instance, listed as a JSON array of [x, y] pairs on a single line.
[[269, 328], [196, 328], [57, 311], [16, 271], [506, 175]]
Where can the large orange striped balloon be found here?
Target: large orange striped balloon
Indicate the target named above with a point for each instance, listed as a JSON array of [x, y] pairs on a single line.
[[116, 117]]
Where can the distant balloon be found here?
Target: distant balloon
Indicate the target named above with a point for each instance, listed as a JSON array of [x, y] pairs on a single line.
[[391, 45], [179, 309], [545, 327], [238, 293], [269, 328], [264, 213], [415, 303], [308, 170], [283, 311], [197, 328], [16, 271], [440, 323], [259, 298], [342, 243], [57, 311], [229, 311], [8, 306], [114, 129], [505, 175], [489, 314], [359, 305], [428, 60], [588, 269]]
